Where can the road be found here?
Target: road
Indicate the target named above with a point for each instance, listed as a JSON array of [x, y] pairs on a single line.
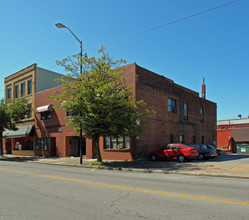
[[39, 191]]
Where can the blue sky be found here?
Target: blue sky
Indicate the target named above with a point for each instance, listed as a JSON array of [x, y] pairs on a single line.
[[214, 45]]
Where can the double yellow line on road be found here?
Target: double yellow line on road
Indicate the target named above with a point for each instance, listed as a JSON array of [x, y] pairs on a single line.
[[204, 198]]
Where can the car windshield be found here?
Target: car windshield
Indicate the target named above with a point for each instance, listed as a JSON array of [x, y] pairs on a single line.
[[209, 146]]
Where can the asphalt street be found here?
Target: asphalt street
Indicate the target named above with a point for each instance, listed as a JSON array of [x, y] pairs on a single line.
[[40, 191]]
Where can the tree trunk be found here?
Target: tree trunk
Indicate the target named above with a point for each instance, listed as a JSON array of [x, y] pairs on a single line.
[[99, 158], [1, 143]]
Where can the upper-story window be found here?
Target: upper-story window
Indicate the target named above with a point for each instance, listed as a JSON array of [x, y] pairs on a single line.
[[172, 105], [9, 96], [29, 115], [185, 110], [201, 114], [16, 91], [46, 115], [29, 86], [23, 89]]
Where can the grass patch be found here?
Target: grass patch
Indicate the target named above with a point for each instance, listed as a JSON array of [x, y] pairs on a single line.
[[96, 163]]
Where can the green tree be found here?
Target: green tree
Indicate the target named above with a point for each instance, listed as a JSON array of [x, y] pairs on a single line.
[[10, 114], [101, 101]]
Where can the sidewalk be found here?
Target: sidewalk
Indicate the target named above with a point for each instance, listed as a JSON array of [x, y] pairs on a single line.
[[210, 168]]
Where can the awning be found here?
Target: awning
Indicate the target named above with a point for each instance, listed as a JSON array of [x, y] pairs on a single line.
[[22, 131], [240, 134], [44, 108]]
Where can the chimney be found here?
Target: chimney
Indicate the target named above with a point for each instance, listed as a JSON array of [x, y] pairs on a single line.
[[203, 90], [239, 116]]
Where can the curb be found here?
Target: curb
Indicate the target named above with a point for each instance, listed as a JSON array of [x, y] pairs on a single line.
[[168, 172], [141, 170]]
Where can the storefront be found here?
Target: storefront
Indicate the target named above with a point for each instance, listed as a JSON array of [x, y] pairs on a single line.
[[20, 141]]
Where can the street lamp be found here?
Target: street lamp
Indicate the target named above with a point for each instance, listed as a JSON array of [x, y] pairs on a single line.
[[59, 25]]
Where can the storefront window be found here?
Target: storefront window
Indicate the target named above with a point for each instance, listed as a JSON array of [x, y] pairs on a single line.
[[28, 145], [122, 142], [42, 143], [23, 144]]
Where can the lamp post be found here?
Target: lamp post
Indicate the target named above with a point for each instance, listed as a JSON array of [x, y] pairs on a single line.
[[59, 25]]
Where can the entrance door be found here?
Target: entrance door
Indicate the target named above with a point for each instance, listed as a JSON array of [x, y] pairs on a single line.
[[75, 146]]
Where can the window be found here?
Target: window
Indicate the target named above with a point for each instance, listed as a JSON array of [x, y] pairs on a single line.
[[166, 147], [29, 86], [202, 139], [23, 88], [8, 93], [201, 114], [122, 142], [193, 140], [46, 115], [27, 145], [181, 139], [42, 143], [203, 147], [175, 147], [29, 115], [171, 138], [185, 110], [172, 105], [17, 91]]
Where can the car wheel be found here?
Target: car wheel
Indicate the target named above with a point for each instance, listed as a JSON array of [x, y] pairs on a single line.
[[200, 157], [154, 157], [181, 158]]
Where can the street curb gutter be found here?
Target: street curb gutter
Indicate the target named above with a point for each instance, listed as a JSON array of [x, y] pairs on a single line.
[[144, 170], [141, 170], [168, 172]]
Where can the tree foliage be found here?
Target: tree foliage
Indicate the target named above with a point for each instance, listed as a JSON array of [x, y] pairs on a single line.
[[11, 113], [100, 100]]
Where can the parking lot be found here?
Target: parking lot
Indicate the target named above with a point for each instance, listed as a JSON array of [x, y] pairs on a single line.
[[228, 158]]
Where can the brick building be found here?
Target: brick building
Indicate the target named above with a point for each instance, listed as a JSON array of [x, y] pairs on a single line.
[[181, 116], [25, 83], [233, 135]]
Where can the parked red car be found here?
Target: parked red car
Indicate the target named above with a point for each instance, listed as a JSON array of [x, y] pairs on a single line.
[[174, 151]]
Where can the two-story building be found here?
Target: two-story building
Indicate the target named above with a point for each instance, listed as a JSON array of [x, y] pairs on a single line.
[[181, 116], [25, 83]]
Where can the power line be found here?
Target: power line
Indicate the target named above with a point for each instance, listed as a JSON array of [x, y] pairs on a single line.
[[163, 25]]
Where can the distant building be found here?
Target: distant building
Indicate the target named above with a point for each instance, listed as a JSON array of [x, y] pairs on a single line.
[[181, 116], [233, 134], [25, 83]]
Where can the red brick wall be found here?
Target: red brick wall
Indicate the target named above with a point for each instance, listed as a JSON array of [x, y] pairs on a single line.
[[50, 128], [224, 133], [155, 91], [223, 137]]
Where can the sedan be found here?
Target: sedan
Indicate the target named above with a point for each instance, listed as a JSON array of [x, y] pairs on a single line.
[[174, 151], [204, 151], [218, 151]]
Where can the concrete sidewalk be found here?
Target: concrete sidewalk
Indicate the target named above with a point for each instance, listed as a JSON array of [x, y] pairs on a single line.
[[210, 168]]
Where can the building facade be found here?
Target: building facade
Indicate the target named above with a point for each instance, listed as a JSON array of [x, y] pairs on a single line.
[[233, 135], [181, 116], [25, 83]]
